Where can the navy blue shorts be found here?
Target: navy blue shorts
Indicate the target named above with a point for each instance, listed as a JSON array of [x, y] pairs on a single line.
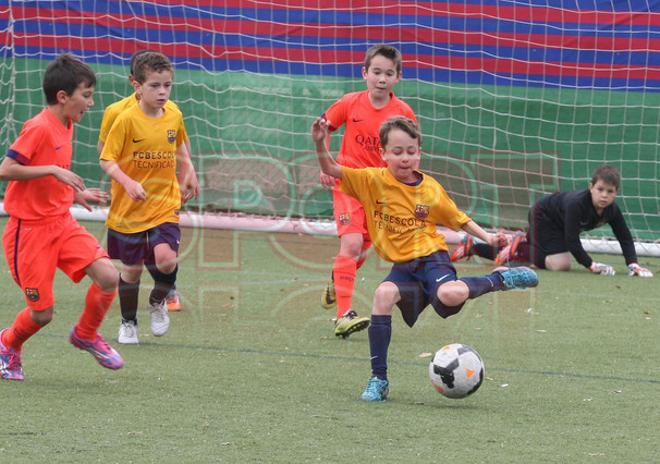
[[418, 281], [139, 247]]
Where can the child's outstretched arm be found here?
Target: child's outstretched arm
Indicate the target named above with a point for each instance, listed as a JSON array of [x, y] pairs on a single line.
[[625, 238], [10, 169], [319, 133], [494, 240], [326, 180]]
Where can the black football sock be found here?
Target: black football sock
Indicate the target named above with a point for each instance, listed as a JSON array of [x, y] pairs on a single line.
[[163, 283], [128, 299], [485, 251]]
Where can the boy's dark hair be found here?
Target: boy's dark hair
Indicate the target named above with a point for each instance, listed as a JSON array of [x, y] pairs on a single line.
[[608, 174], [407, 125], [388, 52], [150, 62], [134, 56], [66, 72]]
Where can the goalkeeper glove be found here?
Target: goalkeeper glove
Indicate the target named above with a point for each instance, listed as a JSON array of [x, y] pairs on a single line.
[[635, 269], [602, 269]]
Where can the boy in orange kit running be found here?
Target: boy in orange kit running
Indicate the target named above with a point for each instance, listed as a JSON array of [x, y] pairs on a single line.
[[41, 235], [362, 113]]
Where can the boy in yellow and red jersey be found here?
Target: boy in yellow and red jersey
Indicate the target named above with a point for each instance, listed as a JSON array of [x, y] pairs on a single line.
[[172, 301], [41, 234], [362, 114], [140, 154], [403, 207]]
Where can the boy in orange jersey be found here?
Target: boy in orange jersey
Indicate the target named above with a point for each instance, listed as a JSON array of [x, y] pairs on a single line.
[[172, 301], [403, 207], [141, 154], [41, 235], [362, 113]]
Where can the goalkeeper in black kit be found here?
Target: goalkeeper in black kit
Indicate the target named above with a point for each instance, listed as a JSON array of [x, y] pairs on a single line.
[[555, 224]]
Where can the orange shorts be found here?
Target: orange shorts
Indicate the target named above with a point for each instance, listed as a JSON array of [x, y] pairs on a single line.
[[34, 249], [349, 216]]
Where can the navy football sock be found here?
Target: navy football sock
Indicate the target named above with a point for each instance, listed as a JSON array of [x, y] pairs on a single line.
[[483, 284], [380, 332], [485, 251]]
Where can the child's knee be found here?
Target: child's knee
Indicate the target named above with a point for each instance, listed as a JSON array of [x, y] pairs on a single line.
[[351, 245], [165, 259], [453, 293], [42, 317], [108, 281], [104, 274], [386, 296], [558, 262], [131, 274], [166, 267], [107, 278]]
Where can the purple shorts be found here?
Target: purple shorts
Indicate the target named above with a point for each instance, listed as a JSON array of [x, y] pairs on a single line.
[[418, 281], [139, 247]]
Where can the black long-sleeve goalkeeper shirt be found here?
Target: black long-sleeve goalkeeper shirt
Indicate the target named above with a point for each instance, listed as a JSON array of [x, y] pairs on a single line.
[[573, 212]]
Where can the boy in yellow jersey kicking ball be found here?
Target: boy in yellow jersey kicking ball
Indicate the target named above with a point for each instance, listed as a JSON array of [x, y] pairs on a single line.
[[140, 154], [403, 207], [172, 301]]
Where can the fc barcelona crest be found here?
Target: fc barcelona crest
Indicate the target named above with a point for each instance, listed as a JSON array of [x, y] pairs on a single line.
[[32, 294], [171, 135], [421, 211], [344, 219]]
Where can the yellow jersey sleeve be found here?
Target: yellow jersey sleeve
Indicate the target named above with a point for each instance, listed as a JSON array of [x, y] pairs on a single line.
[[183, 135], [445, 212]]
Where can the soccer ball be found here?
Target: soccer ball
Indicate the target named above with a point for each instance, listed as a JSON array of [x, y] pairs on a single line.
[[456, 370]]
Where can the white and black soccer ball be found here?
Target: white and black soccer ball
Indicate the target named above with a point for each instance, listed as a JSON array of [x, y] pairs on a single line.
[[456, 370]]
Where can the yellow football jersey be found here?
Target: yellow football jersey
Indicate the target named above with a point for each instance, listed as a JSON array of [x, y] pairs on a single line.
[[115, 109], [145, 150], [402, 219]]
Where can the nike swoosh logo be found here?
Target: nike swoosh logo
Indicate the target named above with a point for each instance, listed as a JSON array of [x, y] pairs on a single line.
[[357, 120], [378, 202], [137, 140], [442, 278], [58, 148]]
